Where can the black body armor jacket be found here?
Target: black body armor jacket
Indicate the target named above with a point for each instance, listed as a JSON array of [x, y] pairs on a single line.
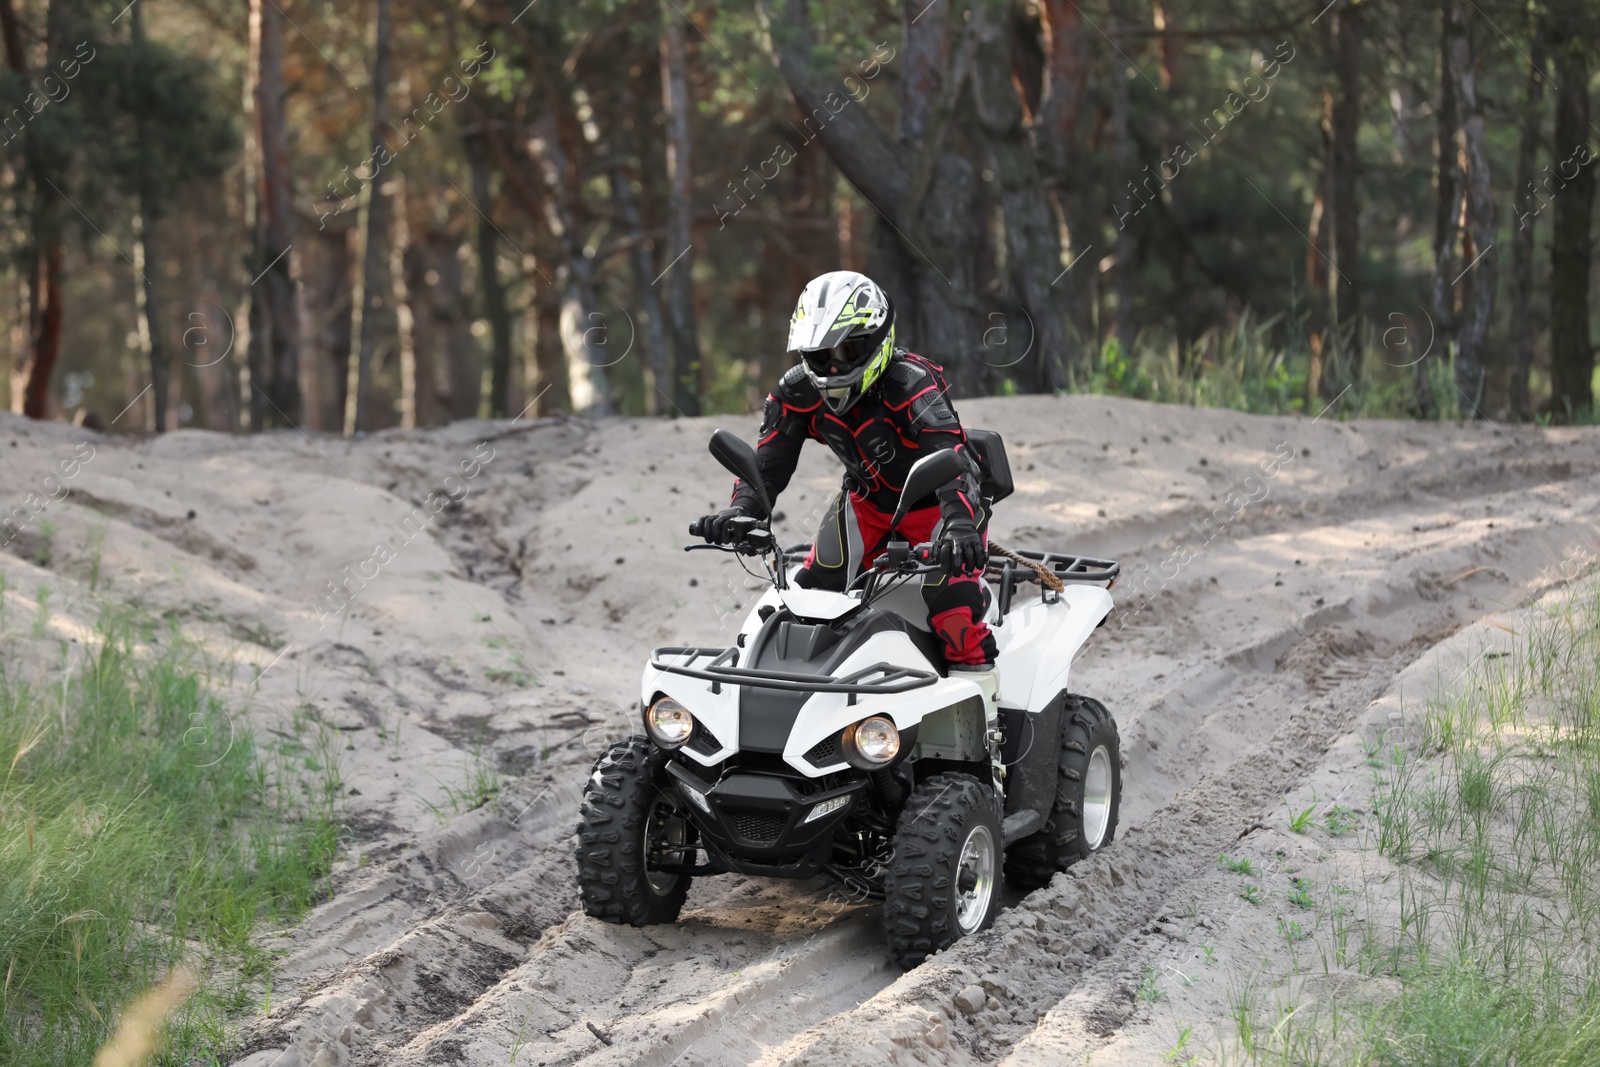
[[904, 416]]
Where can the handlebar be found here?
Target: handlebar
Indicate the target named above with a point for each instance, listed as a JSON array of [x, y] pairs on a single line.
[[907, 559], [745, 534]]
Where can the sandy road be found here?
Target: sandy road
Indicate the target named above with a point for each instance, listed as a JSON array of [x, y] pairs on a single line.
[[1230, 681], [1251, 630]]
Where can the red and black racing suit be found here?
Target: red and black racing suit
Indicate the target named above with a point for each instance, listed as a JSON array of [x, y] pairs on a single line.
[[904, 416]]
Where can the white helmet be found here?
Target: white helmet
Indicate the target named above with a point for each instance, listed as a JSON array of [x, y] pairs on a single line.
[[843, 328]]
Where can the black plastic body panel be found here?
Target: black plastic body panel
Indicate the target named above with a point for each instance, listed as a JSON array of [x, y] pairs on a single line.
[[756, 823], [1031, 751], [994, 467], [767, 716]]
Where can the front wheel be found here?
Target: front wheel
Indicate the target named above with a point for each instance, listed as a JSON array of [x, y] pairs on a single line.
[[626, 822], [1083, 817], [944, 878]]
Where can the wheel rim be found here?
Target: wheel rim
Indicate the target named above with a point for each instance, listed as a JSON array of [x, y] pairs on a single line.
[[664, 829], [1097, 798], [977, 860]]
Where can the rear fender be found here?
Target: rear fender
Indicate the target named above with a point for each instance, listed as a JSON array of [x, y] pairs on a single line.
[[1038, 642]]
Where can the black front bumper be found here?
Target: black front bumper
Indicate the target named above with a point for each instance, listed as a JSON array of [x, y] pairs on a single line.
[[757, 822]]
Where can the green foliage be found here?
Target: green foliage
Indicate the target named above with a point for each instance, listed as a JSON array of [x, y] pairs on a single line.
[[1495, 833], [1149, 990], [117, 110], [1171, 1055], [1300, 821], [1340, 820], [1239, 865], [140, 825]]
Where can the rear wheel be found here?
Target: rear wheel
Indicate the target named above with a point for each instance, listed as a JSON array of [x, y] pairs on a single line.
[[626, 820], [943, 881], [1083, 818]]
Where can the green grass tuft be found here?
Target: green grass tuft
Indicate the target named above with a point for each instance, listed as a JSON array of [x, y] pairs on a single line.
[[140, 826]]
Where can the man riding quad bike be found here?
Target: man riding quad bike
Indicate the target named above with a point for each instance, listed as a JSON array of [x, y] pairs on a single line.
[[881, 409], [889, 715]]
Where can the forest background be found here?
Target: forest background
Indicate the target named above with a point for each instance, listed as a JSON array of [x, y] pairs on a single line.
[[342, 217]]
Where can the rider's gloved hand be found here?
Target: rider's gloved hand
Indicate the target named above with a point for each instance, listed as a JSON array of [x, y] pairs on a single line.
[[719, 529], [960, 547]]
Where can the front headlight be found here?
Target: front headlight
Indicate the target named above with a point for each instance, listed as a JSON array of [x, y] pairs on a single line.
[[877, 740], [668, 722]]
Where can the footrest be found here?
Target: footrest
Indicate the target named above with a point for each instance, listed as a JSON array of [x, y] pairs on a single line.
[[1020, 825]]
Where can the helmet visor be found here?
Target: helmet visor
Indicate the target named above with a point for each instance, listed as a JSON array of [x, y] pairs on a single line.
[[849, 354]]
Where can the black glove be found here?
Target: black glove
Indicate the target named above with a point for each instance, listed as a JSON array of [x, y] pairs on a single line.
[[960, 547], [719, 529]]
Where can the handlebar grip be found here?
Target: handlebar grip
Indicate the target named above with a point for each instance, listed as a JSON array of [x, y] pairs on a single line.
[[697, 528]]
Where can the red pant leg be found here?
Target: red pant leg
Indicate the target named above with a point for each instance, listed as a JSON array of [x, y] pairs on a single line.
[[956, 603]]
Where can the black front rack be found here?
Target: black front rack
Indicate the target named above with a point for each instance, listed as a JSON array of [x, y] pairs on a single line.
[[878, 679]]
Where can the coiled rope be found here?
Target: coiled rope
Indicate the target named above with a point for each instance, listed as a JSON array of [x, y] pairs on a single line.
[[1046, 575]]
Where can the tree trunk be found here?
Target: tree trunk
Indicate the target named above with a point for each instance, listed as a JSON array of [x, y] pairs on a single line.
[[45, 316], [923, 61], [548, 355], [17, 342], [32, 372], [145, 254], [275, 375], [1480, 215], [1571, 349], [494, 294], [416, 363], [926, 258], [586, 379], [657, 347], [1344, 169], [1061, 155], [416, 268], [1449, 187], [377, 225], [1123, 154], [682, 330], [333, 314], [1529, 204], [1317, 285], [213, 377], [1033, 247], [452, 311]]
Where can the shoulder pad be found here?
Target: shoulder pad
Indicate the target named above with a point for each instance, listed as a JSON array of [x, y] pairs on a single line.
[[903, 380], [794, 384], [930, 409]]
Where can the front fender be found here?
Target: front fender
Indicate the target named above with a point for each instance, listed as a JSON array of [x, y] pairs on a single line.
[[717, 712]]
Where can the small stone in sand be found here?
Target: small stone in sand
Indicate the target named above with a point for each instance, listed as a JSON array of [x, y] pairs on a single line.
[[971, 999]]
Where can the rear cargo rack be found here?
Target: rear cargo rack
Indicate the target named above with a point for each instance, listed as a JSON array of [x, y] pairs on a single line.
[[1064, 565], [718, 669], [1068, 568]]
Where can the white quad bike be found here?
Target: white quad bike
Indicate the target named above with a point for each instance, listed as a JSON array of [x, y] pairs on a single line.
[[831, 739]]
